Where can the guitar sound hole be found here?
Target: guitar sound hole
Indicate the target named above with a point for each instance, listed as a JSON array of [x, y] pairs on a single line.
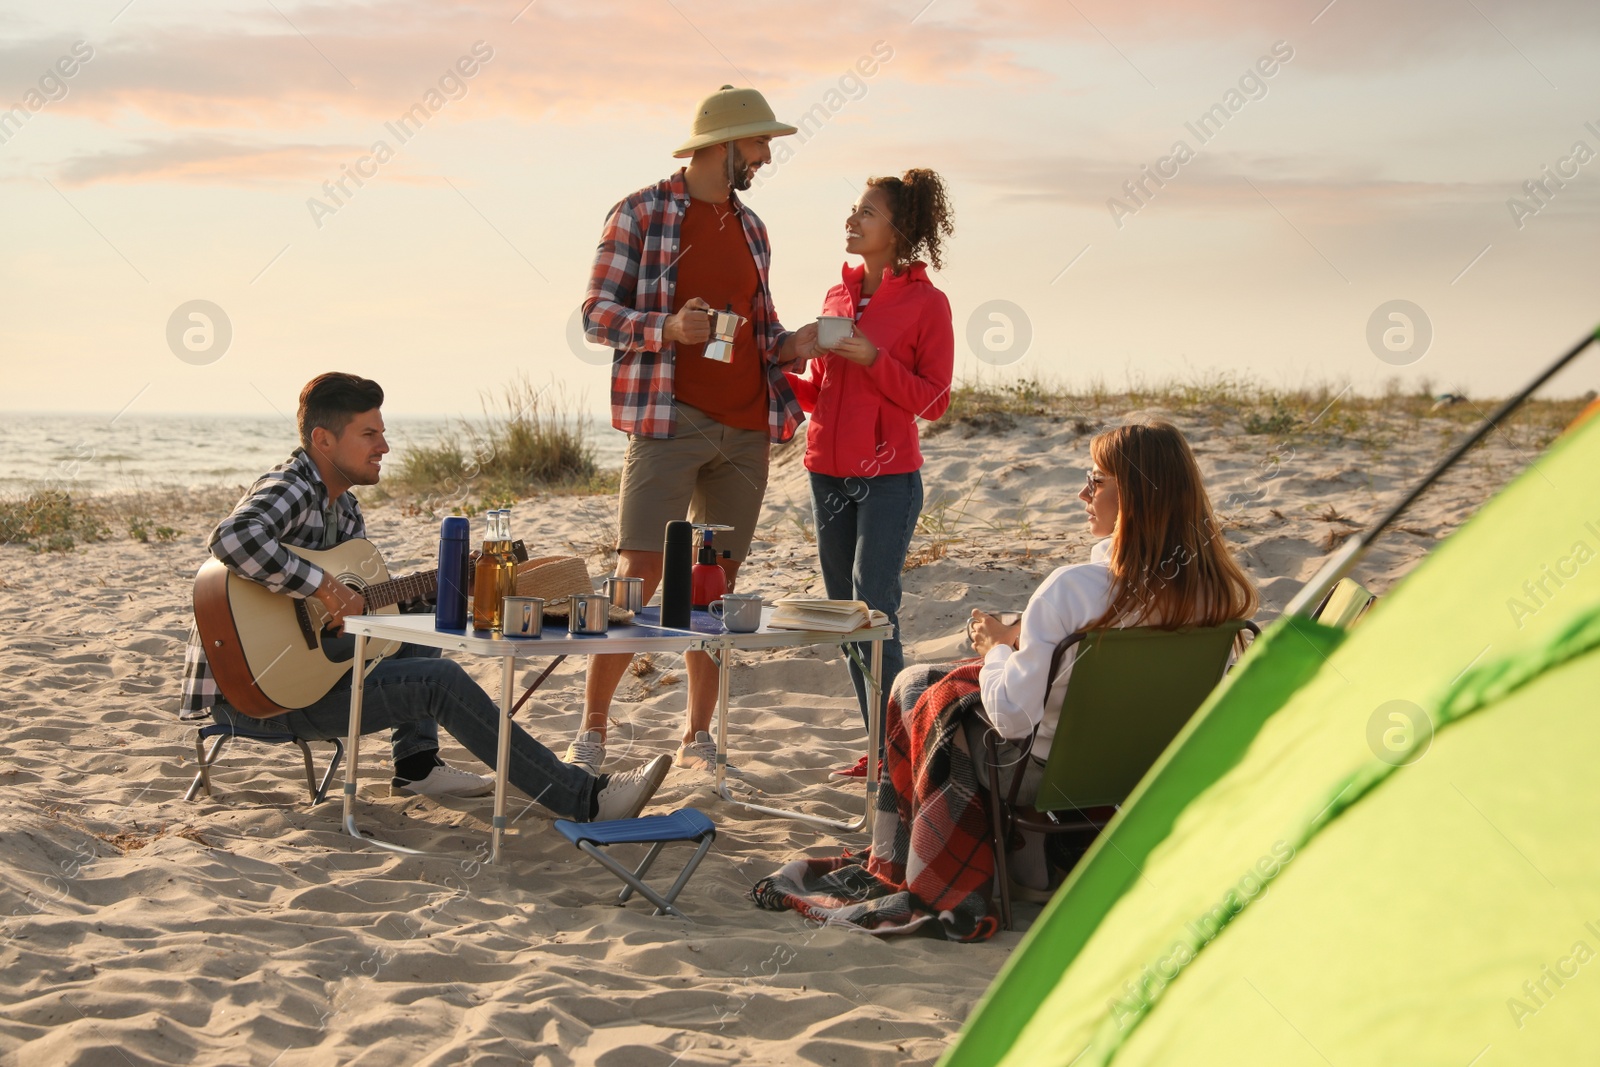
[[340, 648]]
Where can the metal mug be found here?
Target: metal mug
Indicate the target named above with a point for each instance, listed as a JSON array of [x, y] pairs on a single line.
[[523, 616], [588, 613], [739, 612], [724, 326], [626, 593], [831, 329]]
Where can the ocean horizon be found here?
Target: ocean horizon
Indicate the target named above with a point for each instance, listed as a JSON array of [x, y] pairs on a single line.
[[91, 452]]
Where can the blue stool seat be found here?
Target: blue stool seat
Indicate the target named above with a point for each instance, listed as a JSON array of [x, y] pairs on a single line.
[[225, 732], [685, 824]]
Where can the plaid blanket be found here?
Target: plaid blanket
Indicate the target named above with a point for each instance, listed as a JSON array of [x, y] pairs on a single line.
[[930, 857]]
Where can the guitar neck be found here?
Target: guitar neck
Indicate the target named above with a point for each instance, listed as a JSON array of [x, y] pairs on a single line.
[[396, 590]]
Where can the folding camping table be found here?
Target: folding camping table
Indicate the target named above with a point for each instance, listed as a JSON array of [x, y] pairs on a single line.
[[705, 634]]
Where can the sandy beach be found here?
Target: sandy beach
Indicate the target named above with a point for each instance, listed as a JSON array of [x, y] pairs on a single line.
[[248, 929]]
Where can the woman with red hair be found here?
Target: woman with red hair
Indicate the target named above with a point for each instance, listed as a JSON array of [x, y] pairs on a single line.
[[1162, 562]]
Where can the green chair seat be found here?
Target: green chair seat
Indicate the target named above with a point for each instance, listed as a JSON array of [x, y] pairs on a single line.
[[1131, 691]]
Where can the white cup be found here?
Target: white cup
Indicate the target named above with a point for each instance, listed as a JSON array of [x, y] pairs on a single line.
[[831, 329], [739, 612]]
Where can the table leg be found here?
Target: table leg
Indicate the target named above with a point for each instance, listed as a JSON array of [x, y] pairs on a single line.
[[874, 728], [352, 746], [722, 656], [851, 826], [502, 760], [352, 753]]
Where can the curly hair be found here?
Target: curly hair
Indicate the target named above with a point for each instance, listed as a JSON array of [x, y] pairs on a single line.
[[922, 215]]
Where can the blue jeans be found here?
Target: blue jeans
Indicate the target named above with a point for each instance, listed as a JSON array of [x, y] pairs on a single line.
[[413, 693], [864, 527]]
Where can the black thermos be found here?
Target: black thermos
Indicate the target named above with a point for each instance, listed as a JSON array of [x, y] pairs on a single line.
[[677, 574]]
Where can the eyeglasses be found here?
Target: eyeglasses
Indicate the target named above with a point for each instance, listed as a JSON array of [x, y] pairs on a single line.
[[1092, 482]]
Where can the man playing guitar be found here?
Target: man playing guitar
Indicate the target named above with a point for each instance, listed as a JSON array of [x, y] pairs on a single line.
[[306, 503]]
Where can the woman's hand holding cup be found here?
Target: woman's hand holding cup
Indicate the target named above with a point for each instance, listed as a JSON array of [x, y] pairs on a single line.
[[858, 350], [987, 631]]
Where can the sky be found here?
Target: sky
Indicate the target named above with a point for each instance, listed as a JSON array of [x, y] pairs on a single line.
[[1175, 189]]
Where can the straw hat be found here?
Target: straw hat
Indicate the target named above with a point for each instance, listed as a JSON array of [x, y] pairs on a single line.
[[728, 115], [555, 579]]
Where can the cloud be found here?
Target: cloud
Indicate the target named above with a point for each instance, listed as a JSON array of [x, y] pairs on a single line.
[[208, 160], [309, 64], [1317, 190]]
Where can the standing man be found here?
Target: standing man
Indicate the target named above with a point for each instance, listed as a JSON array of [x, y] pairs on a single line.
[[698, 429]]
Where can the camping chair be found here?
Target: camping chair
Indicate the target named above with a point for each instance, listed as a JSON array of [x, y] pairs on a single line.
[[224, 732], [685, 824], [1130, 692], [1345, 605]]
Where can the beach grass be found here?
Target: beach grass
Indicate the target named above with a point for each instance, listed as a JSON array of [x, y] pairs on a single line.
[[1231, 401], [51, 520], [531, 439]]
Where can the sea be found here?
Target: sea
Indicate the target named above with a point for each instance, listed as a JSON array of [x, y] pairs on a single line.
[[97, 454]]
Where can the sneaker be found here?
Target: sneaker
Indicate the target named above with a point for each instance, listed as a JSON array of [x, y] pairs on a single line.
[[589, 751], [444, 781], [701, 755], [627, 792], [857, 771]]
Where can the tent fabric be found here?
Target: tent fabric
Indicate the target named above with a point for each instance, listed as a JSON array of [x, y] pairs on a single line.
[[1444, 906], [1277, 663]]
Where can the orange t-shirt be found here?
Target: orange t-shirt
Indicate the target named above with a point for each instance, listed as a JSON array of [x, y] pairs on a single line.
[[715, 264]]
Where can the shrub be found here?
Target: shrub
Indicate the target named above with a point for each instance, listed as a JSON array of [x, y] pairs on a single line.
[[529, 439], [51, 521]]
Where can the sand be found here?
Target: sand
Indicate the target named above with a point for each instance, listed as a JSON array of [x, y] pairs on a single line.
[[248, 929]]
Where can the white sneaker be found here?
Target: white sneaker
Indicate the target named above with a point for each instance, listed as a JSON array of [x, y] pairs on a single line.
[[627, 792], [701, 755], [444, 781], [588, 750]]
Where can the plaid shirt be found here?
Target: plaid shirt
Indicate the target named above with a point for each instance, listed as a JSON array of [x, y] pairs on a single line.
[[630, 297], [284, 507]]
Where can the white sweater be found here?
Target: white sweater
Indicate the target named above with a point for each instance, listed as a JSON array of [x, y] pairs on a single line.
[[1018, 692]]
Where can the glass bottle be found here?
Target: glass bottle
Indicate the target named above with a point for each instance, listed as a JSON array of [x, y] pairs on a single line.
[[486, 606], [506, 573]]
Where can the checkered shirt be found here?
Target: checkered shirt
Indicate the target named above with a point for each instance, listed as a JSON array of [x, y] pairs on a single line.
[[284, 507], [630, 297]]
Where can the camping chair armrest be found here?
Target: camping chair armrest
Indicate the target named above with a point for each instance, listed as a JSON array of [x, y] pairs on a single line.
[[1240, 645]]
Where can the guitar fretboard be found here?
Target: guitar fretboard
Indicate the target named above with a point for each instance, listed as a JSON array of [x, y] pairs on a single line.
[[396, 590]]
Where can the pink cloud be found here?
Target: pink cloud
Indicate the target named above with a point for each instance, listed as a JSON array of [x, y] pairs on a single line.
[[322, 63], [208, 160]]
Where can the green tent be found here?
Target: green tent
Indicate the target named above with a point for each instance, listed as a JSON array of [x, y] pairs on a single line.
[[1369, 849]]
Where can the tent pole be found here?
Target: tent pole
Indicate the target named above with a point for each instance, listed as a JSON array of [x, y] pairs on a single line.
[[1345, 559]]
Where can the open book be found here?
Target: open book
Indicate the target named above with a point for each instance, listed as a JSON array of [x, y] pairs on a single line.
[[824, 616]]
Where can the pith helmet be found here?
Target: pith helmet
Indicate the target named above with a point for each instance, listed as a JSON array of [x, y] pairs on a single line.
[[728, 115]]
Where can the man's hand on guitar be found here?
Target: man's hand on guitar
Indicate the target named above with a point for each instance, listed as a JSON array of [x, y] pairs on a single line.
[[340, 600]]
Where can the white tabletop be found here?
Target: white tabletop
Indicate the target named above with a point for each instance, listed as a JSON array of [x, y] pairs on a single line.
[[641, 635]]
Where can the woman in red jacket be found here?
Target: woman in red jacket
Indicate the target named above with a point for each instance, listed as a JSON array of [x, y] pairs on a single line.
[[864, 397]]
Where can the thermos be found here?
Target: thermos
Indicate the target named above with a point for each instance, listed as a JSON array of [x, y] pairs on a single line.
[[450, 611], [677, 574], [710, 581]]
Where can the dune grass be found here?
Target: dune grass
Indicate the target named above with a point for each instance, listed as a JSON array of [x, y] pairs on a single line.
[[51, 520], [1236, 402], [530, 440]]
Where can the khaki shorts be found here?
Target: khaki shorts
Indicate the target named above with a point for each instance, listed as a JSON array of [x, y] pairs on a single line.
[[708, 473]]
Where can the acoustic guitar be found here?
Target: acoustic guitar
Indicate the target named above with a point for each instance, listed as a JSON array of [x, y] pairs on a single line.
[[269, 651]]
